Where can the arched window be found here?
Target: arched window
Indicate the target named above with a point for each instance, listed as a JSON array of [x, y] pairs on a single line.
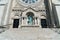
[[30, 18]]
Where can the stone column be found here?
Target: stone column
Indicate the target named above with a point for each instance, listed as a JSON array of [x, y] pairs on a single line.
[[35, 22], [22, 21], [38, 21], [26, 21]]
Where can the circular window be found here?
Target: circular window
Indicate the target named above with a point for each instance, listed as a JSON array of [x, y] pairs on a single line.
[[29, 3]]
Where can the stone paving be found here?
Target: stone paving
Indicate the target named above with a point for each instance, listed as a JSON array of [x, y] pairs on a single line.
[[29, 33]]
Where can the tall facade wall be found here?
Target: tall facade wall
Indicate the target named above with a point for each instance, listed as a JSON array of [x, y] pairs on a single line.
[[56, 11], [4, 7]]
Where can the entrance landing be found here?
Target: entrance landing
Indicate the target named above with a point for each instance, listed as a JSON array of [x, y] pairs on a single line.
[[29, 34]]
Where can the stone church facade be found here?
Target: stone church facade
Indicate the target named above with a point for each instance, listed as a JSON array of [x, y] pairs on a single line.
[[31, 13]]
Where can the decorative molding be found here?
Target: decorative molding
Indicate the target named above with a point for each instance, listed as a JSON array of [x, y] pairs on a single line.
[[27, 9]]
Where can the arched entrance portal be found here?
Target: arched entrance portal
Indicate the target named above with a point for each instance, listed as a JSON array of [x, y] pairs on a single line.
[[43, 23], [30, 18]]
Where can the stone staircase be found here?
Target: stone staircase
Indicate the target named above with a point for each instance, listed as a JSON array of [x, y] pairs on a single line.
[[29, 33]]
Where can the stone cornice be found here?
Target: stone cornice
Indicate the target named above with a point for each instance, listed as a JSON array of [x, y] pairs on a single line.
[[27, 9]]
